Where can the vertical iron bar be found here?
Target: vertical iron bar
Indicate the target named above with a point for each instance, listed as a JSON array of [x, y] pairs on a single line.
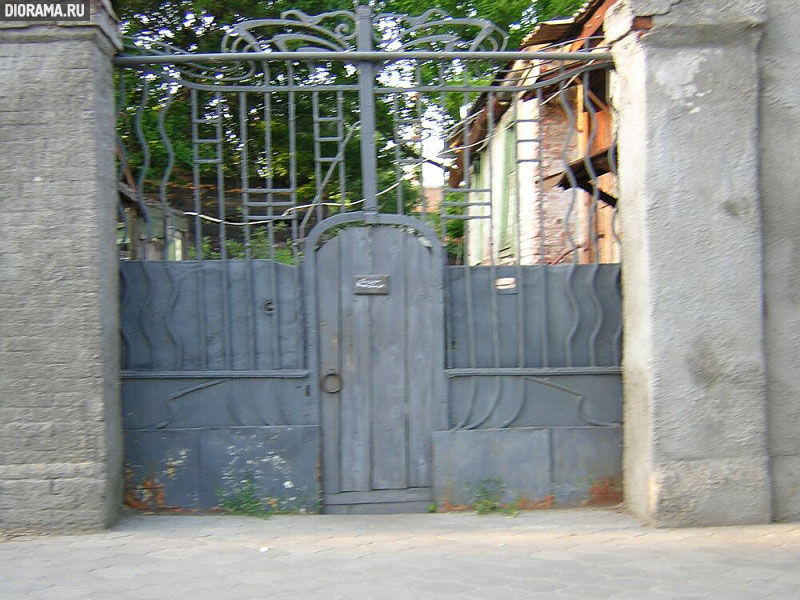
[[521, 329], [275, 316], [366, 81], [421, 160], [445, 148], [198, 222], [162, 188], [540, 196], [123, 158], [200, 280], [568, 342], [465, 176], [292, 146], [250, 280], [592, 218], [448, 321], [244, 172], [223, 243], [398, 169], [223, 250], [612, 163], [268, 177], [590, 170], [492, 261], [341, 146], [145, 154], [317, 153], [268, 143]]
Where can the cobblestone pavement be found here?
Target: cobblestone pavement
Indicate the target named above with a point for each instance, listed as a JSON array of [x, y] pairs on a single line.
[[559, 554]]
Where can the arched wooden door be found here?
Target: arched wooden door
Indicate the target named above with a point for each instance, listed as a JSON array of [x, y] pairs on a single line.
[[378, 306]]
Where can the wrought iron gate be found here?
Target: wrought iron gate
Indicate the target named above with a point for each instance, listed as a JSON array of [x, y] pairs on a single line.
[[387, 260]]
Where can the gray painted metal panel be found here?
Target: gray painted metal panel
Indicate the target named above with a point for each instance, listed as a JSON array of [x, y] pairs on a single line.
[[175, 315], [587, 464], [561, 465], [190, 468], [595, 326], [464, 460]]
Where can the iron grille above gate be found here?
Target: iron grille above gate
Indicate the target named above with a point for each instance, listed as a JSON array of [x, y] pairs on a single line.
[[303, 117]]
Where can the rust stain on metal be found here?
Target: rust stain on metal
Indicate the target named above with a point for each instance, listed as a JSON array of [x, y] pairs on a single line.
[[605, 491], [147, 495], [525, 503], [448, 506], [133, 502]]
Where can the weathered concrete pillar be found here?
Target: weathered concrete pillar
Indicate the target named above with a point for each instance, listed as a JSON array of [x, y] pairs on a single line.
[[780, 199], [60, 433], [694, 373]]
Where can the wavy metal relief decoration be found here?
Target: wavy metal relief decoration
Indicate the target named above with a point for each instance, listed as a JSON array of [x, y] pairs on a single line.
[[519, 403], [231, 404]]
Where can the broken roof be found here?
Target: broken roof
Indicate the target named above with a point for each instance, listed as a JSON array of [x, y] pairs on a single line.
[[554, 30]]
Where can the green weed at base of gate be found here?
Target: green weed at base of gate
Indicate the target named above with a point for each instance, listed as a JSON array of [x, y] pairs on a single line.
[[487, 498], [487, 495], [243, 500]]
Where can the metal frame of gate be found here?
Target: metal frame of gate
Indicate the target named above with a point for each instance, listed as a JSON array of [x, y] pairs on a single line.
[[411, 70]]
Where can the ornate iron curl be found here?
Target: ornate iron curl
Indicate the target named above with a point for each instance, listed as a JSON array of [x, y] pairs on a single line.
[[295, 31], [435, 30], [192, 72], [332, 32]]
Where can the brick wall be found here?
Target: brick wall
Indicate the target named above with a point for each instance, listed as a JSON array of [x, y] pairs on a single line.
[[554, 129]]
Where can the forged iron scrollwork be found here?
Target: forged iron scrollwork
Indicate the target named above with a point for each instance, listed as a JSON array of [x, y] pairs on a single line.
[[295, 31], [335, 33], [435, 30], [191, 74]]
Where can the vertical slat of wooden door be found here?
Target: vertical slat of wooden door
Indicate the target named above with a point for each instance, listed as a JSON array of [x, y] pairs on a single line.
[[389, 420], [355, 418], [420, 333], [328, 307]]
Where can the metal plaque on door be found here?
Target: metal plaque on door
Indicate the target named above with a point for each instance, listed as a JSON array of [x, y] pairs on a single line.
[[371, 284]]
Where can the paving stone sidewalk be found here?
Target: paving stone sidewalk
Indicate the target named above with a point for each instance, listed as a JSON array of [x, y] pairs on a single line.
[[559, 554]]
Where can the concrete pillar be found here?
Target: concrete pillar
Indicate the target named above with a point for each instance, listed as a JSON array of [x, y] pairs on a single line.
[[687, 96], [60, 433], [780, 192]]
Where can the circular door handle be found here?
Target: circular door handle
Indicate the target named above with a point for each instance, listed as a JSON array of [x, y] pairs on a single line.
[[331, 382]]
